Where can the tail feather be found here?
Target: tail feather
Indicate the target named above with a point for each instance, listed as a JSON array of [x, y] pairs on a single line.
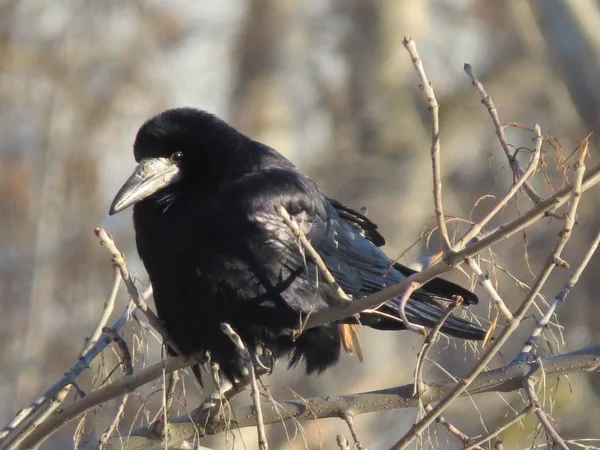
[[441, 289], [422, 309], [426, 314], [429, 313]]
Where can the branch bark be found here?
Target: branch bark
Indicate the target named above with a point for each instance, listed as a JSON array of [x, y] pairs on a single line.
[[204, 422]]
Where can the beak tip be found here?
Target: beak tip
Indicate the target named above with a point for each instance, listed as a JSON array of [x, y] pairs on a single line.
[[114, 209]]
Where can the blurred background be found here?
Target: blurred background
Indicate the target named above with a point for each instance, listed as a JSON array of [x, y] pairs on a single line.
[[329, 84]]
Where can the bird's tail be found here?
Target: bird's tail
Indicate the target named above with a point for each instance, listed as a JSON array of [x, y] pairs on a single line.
[[423, 309], [427, 314]]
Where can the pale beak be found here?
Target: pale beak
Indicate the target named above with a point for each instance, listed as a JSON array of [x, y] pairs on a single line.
[[150, 176]]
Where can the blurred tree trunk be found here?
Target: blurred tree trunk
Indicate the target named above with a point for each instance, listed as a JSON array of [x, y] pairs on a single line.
[[258, 104], [571, 30]]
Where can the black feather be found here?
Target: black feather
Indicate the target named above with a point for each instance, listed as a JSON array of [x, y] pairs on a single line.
[[217, 251]]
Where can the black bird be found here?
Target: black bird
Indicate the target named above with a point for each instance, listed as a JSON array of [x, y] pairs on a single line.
[[217, 251]]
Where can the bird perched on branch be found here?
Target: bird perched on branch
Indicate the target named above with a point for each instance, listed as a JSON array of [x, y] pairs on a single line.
[[206, 201]]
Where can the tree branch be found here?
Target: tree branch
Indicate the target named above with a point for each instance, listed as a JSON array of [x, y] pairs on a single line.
[[523, 221], [204, 421], [434, 107], [513, 162]]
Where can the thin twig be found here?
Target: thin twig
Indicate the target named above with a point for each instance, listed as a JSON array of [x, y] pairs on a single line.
[[523, 221], [429, 341], [127, 363], [107, 310], [512, 160], [427, 88], [404, 298], [39, 419], [89, 352], [82, 364], [484, 280], [160, 425], [349, 419], [476, 228], [118, 259], [505, 379], [488, 437], [486, 358], [119, 387], [450, 427], [263, 444], [568, 225], [529, 387], [558, 300]]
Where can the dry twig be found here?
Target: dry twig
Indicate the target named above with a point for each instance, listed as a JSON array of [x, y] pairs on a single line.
[[118, 259], [160, 425], [557, 440], [491, 351], [565, 232], [127, 363], [263, 444], [434, 107], [504, 379], [349, 419], [512, 160], [429, 341], [450, 261], [488, 437], [484, 280]]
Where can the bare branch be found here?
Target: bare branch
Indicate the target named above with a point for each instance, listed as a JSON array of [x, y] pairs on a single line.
[[431, 338], [349, 419], [413, 286], [120, 387], [476, 228], [512, 160], [427, 88], [92, 349], [160, 425], [450, 427], [127, 370], [82, 363], [38, 420], [263, 444], [491, 351], [118, 259], [523, 221], [500, 429], [484, 280], [529, 387], [107, 310], [203, 422], [566, 230]]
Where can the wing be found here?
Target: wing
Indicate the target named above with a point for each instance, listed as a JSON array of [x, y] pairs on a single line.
[[365, 226], [437, 288], [361, 268], [345, 243]]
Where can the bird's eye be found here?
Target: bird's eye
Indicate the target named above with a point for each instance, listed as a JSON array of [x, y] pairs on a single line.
[[176, 157]]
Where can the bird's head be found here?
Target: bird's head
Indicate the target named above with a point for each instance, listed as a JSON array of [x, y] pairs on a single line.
[[178, 148]]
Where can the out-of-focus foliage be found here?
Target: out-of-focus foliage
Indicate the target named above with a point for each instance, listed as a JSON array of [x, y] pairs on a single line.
[[327, 83]]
